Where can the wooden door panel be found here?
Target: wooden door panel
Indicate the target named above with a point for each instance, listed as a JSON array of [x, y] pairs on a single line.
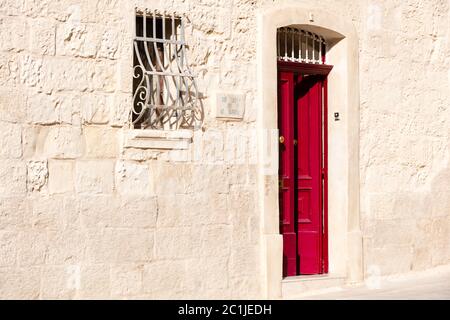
[[286, 174], [308, 131], [300, 174]]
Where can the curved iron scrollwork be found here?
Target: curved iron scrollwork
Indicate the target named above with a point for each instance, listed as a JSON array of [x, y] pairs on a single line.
[[165, 93]]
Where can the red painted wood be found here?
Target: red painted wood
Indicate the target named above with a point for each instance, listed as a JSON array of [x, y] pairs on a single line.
[[309, 173], [286, 173], [303, 171], [325, 175], [304, 68]]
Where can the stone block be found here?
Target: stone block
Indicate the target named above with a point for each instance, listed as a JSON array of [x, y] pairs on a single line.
[[109, 44], [31, 248], [207, 273], [20, 283], [78, 40], [158, 274], [13, 177], [119, 245], [216, 240], [94, 176], [104, 76], [10, 140], [37, 175], [60, 176], [126, 280], [101, 142], [8, 248], [177, 243], [31, 71], [192, 209], [63, 143], [42, 37], [60, 282], [96, 108], [243, 260], [97, 211], [12, 105], [13, 34], [133, 178], [120, 110], [136, 212], [66, 246], [42, 109], [390, 259], [47, 213], [95, 282], [12, 212]]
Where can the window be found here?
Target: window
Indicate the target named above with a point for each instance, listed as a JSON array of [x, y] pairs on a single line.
[[165, 94], [298, 45]]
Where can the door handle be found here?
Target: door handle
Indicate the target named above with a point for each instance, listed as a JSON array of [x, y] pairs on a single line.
[[282, 139], [282, 183]]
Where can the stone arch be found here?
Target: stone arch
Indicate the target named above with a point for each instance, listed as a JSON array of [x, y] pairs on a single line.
[[345, 239]]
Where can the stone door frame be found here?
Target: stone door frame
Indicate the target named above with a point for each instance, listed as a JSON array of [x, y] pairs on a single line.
[[344, 232]]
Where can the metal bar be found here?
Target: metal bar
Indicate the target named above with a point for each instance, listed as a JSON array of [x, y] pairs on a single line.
[[292, 43], [150, 39], [320, 51], [306, 46], [285, 45]]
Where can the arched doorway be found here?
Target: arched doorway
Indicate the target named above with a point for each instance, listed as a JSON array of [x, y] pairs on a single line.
[[344, 235]]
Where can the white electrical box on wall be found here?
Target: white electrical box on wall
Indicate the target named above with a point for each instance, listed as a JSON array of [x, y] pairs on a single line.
[[229, 106]]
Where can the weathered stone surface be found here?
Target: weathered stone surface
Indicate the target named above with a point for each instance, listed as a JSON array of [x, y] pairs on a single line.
[[97, 211], [20, 283], [47, 213], [119, 245], [157, 274], [60, 282], [42, 37], [8, 249], [95, 282], [13, 177], [60, 176], [12, 112], [13, 32], [96, 108], [133, 178], [136, 212], [94, 176], [37, 175], [12, 212], [32, 249], [126, 280], [101, 142], [63, 143], [10, 140]]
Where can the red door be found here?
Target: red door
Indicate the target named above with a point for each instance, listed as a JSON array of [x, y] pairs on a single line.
[[302, 171]]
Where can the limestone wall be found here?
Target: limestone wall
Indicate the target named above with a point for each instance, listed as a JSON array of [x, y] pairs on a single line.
[[83, 217]]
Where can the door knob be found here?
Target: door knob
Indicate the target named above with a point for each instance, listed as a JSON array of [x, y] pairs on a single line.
[[295, 142], [281, 139]]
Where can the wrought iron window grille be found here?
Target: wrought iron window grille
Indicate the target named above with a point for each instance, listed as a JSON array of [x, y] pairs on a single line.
[[297, 45], [165, 94]]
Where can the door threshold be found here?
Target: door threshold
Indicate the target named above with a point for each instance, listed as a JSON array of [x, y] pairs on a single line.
[[312, 277], [303, 285]]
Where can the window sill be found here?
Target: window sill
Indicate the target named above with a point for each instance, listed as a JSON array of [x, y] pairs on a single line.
[[157, 139]]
